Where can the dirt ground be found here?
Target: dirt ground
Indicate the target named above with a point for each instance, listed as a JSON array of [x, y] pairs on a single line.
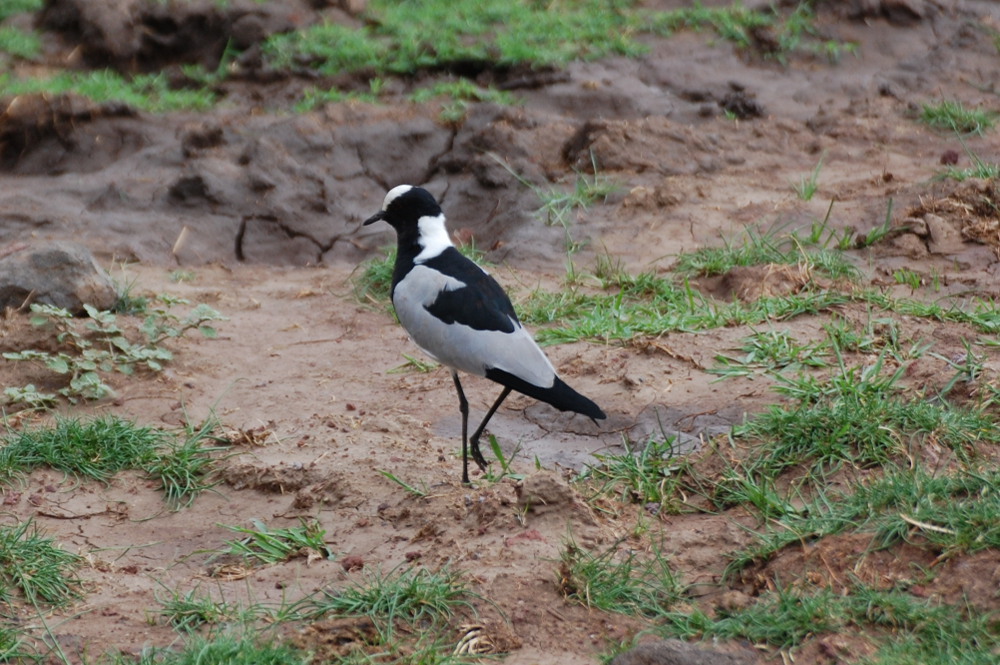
[[264, 210]]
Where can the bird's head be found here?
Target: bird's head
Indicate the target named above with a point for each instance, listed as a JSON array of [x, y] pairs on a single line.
[[404, 206]]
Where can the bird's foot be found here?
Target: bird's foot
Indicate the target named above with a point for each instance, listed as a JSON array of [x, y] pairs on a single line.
[[477, 455]]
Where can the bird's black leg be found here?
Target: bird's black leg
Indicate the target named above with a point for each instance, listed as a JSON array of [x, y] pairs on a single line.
[[463, 406], [474, 441]]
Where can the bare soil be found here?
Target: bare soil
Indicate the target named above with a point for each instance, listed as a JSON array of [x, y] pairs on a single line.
[[265, 210]]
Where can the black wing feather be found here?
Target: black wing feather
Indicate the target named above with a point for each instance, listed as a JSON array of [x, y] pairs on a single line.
[[481, 304]]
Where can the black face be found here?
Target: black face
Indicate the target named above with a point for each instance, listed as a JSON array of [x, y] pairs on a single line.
[[407, 208]]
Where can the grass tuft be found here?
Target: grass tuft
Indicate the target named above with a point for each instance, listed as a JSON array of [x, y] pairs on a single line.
[[269, 546], [100, 447], [39, 570], [619, 580], [952, 115]]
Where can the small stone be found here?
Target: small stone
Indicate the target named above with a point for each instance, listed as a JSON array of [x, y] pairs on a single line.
[[944, 237], [62, 274], [352, 562]]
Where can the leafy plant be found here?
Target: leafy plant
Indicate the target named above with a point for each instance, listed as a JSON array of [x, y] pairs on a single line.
[[91, 349]]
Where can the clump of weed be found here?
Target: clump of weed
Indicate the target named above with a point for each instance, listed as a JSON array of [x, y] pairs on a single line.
[[264, 545], [619, 580], [10, 7], [902, 627], [35, 567], [148, 92], [648, 474], [91, 349], [763, 248], [771, 351], [414, 599], [222, 648], [952, 115], [188, 612], [100, 447], [20, 44], [807, 187]]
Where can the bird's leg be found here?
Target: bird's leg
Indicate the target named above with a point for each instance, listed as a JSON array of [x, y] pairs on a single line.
[[463, 406], [474, 441]]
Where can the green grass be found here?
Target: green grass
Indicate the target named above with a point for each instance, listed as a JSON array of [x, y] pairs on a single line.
[[948, 514], [20, 44], [417, 598], [807, 187], [221, 649], [619, 580], [649, 474], [100, 447], [268, 546], [737, 24], [148, 92], [772, 351], [951, 115], [903, 628], [190, 611], [405, 37], [859, 417], [10, 7], [35, 568], [772, 246]]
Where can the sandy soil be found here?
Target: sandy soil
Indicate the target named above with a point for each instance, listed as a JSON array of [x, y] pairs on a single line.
[[272, 206]]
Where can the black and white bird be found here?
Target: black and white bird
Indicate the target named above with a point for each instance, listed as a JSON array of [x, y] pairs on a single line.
[[460, 316]]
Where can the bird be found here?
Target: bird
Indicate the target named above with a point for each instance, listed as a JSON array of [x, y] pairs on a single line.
[[459, 315]]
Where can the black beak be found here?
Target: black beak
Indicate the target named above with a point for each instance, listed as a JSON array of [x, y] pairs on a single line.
[[377, 217]]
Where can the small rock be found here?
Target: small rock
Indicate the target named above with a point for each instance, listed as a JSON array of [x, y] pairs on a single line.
[[676, 652], [544, 488], [62, 274], [944, 238], [949, 157], [352, 562]]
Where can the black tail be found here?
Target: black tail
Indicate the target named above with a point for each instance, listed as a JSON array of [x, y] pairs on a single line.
[[560, 395]]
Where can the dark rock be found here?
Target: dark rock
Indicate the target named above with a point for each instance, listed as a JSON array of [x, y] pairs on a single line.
[[62, 274], [676, 652]]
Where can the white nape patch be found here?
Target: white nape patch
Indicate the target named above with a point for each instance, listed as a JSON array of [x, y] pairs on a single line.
[[394, 194], [433, 237]]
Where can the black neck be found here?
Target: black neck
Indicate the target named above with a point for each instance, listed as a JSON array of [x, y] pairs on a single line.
[[407, 249]]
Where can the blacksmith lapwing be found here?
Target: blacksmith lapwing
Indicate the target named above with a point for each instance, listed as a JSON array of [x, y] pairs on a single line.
[[460, 316]]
